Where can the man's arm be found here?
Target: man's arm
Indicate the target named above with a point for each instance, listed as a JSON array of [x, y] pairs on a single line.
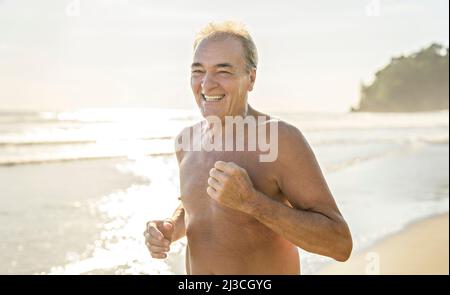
[[309, 230], [177, 220], [159, 234], [313, 223]]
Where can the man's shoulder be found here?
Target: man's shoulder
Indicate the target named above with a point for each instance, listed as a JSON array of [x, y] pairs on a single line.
[[290, 139], [282, 125], [288, 135], [286, 131], [289, 131], [186, 133], [188, 130]]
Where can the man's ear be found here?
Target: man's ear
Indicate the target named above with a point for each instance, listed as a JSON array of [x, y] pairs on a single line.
[[252, 79]]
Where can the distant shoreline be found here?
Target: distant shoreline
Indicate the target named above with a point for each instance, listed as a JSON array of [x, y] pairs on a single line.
[[356, 110]]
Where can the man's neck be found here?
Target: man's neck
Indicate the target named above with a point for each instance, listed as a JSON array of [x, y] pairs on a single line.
[[248, 111], [215, 128]]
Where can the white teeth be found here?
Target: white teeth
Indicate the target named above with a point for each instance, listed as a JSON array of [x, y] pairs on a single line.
[[213, 98]]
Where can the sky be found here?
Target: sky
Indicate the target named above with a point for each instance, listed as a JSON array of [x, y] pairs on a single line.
[[313, 55]]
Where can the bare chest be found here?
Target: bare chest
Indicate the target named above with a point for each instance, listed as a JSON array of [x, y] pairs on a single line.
[[194, 173]]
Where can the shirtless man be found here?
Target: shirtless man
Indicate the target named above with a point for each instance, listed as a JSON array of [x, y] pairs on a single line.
[[241, 215]]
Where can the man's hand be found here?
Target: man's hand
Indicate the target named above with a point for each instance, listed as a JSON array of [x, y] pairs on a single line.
[[158, 236], [230, 185]]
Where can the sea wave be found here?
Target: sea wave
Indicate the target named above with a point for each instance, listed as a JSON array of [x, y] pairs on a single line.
[[92, 116], [351, 151], [431, 136], [432, 139], [27, 161], [69, 142]]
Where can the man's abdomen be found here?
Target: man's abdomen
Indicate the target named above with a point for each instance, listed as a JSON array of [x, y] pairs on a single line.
[[225, 241]]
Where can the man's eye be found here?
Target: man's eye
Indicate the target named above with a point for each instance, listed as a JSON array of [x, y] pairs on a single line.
[[224, 72], [197, 72]]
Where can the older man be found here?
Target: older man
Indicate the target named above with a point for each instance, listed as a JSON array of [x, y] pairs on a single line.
[[242, 215]]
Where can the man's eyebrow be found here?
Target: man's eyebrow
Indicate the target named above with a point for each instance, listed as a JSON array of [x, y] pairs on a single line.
[[224, 65], [221, 65]]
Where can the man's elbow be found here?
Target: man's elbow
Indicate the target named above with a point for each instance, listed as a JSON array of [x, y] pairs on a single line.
[[345, 251], [344, 244]]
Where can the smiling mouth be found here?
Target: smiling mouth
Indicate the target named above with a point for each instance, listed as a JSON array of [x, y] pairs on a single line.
[[212, 97]]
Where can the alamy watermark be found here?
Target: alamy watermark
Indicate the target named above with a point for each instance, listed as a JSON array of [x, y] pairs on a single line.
[[234, 133], [373, 263], [373, 8], [73, 8]]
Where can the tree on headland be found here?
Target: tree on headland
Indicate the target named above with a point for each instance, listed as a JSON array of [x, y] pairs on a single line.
[[414, 83]]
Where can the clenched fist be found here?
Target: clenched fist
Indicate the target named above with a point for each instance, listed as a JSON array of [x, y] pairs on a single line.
[[230, 185], [158, 236]]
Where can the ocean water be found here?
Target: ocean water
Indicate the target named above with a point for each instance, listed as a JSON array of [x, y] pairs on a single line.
[[76, 188]]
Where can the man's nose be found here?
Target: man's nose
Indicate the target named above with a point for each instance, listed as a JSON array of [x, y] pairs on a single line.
[[208, 82]]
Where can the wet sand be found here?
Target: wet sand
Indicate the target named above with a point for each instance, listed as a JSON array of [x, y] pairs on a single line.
[[422, 248]]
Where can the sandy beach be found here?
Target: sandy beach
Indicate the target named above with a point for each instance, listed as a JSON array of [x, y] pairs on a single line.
[[421, 249]]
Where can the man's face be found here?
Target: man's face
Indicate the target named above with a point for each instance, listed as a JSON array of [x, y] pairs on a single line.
[[219, 79]]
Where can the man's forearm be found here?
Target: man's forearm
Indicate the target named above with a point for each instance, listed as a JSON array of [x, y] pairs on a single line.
[[311, 231], [177, 218]]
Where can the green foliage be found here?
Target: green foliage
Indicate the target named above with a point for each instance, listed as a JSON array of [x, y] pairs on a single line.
[[418, 82]]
